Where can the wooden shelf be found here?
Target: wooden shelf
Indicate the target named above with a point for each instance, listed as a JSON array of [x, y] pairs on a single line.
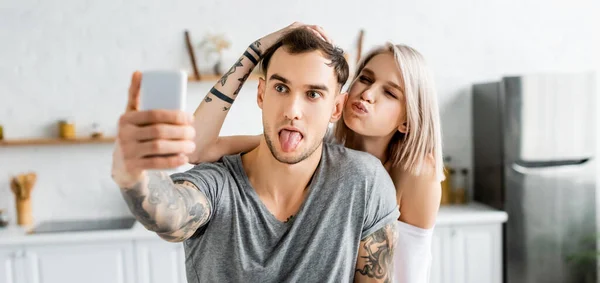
[[56, 141], [215, 78]]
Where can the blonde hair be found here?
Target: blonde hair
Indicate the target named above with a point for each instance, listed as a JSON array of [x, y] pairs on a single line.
[[423, 140]]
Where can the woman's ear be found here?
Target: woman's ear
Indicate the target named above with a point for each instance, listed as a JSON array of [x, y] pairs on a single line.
[[403, 128]]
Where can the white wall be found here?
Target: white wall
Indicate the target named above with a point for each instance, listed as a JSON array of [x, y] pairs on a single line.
[[73, 59]]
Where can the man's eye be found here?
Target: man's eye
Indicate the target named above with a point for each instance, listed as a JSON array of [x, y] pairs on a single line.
[[280, 88], [313, 94]]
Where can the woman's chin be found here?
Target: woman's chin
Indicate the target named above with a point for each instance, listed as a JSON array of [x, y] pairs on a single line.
[[356, 125]]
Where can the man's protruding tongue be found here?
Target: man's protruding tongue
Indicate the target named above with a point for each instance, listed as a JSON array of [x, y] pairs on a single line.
[[289, 140]]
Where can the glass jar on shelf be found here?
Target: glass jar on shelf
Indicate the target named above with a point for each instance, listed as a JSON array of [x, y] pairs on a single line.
[[447, 183], [460, 190]]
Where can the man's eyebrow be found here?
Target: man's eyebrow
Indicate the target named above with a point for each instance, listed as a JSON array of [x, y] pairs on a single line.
[[310, 86], [279, 78], [318, 87]]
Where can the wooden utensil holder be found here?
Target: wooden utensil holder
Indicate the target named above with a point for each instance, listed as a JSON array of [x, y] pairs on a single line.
[[24, 213]]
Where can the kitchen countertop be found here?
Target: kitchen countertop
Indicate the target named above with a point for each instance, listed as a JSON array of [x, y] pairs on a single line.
[[472, 213], [15, 235]]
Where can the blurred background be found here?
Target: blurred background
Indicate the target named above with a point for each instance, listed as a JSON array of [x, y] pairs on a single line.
[[67, 65]]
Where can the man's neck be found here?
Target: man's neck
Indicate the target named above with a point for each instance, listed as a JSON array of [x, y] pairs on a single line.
[[280, 182]]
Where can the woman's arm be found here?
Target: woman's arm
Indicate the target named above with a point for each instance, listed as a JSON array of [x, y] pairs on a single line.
[[419, 199], [211, 113], [225, 146], [418, 196]]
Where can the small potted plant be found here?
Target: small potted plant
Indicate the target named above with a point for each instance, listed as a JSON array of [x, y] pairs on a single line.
[[213, 46]]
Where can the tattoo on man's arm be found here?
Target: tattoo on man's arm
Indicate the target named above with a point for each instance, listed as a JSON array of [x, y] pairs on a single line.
[[376, 254], [250, 57], [197, 209], [223, 79], [254, 46], [166, 208], [135, 199], [242, 80], [221, 96]]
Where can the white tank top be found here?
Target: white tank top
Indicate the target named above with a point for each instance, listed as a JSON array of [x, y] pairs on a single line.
[[412, 257]]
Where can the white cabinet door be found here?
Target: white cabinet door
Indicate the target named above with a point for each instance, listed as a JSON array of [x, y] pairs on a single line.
[[476, 254], [440, 253], [11, 268], [160, 261], [73, 263]]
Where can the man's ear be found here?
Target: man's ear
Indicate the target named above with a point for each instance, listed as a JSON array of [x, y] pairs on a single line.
[[261, 92], [338, 107]]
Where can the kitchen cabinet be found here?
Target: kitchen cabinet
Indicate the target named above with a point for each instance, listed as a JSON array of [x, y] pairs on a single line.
[[11, 267], [160, 261], [467, 254], [97, 262]]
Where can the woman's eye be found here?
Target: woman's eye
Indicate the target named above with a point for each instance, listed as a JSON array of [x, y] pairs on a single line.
[[364, 79], [280, 88], [390, 93]]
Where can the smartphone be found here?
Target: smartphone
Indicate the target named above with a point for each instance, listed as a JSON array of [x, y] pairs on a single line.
[[163, 89]]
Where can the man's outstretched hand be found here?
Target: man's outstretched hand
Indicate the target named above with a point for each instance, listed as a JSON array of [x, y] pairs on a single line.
[[152, 139]]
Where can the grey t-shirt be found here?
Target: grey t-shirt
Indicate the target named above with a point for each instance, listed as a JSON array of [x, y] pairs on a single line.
[[351, 196]]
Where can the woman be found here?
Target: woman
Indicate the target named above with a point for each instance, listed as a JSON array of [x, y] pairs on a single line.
[[391, 112]]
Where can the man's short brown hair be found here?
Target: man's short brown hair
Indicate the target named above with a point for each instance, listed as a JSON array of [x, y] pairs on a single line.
[[302, 40]]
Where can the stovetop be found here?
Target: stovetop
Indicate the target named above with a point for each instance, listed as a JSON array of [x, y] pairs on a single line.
[[83, 225]]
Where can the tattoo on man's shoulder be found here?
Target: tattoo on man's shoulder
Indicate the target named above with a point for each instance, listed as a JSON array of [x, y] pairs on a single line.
[[223, 79], [379, 247]]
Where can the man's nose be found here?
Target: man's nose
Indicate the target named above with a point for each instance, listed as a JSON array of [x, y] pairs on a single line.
[[293, 107]]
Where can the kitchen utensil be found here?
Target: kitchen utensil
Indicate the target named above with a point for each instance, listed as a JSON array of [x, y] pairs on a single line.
[[21, 186]]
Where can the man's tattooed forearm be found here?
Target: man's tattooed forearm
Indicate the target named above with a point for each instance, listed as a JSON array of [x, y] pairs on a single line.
[[135, 200], [379, 248], [255, 47], [225, 108], [250, 57], [207, 99], [169, 208], [223, 79], [221, 96], [242, 80]]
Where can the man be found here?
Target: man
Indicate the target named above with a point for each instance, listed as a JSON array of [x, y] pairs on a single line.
[[291, 210]]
